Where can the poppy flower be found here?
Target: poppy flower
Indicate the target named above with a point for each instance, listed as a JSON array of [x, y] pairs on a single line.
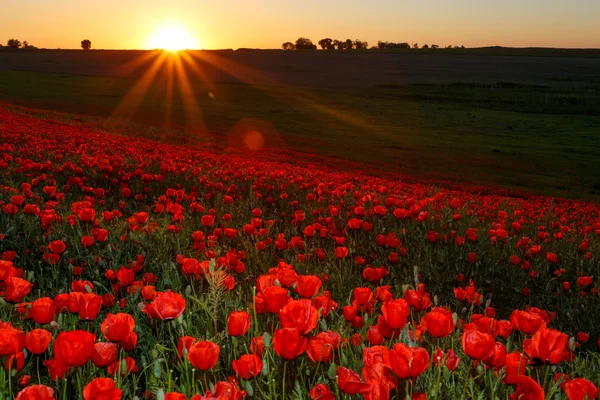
[[57, 246], [257, 345], [74, 348], [123, 367], [104, 354], [16, 289], [42, 310], [408, 362], [247, 366], [515, 366], [275, 297], [308, 285], [299, 314], [478, 345], [56, 369], [36, 392], [396, 313], [12, 340], [89, 306], [238, 323], [349, 381], [319, 350], [439, 322], [288, 343], [117, 327], [580, 388], [37, 341], [547, 346], [321, 392], [184, 343], [166, 305], [340, 252], [204, 354], [527, 389], [527, 322], [101, 389]]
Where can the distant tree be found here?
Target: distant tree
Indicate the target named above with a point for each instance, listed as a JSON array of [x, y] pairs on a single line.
[[326, 44], [339, 44], [435, 46], [348, 44], [14, 43], [288, 46], [391, 45], [86, 44], [360, 45], [449, 46], [425, 46], [26, 45], [415, 45], [305, 44]]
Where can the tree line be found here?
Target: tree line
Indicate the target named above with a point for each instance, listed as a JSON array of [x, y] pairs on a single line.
[[86, 44], [303, 43]]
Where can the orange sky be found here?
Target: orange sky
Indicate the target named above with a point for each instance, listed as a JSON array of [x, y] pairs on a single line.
[[268, 23]]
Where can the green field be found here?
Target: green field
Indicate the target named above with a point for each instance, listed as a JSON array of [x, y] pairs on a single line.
[[536, 138]]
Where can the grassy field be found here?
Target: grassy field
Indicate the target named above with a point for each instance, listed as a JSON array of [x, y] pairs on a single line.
[[544, 139]]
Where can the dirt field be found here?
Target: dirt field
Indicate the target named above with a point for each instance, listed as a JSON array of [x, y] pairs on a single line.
[[325, 69]]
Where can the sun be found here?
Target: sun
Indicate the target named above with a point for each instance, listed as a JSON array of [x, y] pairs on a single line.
[[172, 38]]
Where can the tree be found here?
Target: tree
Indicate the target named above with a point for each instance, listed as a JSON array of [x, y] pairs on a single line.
[[415, 45], [339, 44], [288, 46], [305, 44], [86, 44], [435, 46], [360, 45], [326, 44], [425, 46], [348, 44], [14, 43]]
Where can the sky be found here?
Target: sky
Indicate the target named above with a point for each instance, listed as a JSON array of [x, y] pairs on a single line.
[[210, 24]]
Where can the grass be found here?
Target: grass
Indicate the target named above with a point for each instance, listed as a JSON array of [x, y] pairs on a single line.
[[535, 138]]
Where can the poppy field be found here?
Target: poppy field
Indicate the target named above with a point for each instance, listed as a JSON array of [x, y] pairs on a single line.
[[139, 269]]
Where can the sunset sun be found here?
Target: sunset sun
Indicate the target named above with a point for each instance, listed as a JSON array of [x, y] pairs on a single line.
[[172, 38]]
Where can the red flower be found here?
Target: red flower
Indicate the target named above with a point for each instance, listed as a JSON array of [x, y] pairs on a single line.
[[527, 389], [247, 366], [16, 289], [477, 345], [74, 348], [515, 366], [37, 341], [319, 350], [87, 241], [349, 381], [57, 246], [42, 310], [340, 252], [101, 389], [36, 392], [89, 306], [299, 314], [580, 388], [527, 322], [167, 305], [321, 392], [204, 354], [117, 327], [547, 346], [104, 354], [12, 340], [288, 343], [308, 285], [275, 297], [396, 313], [439, 322], [408, 362], [238, 323], [257, 346]]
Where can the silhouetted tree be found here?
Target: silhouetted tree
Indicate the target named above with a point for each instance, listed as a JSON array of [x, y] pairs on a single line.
[[14, 43], [435, 46], [339, 44], [348, 44], [415, 45], [425, 46], [360, 45], [288, 46], [305, 44], [326, 44], [86, 44], [391, 45]]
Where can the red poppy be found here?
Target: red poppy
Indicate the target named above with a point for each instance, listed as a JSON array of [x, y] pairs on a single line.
[[308, 285], [204, 354], [166, 305], [527, 389], [36, 392], [349, 381], [477, 345], [275, 297], [257, 346], [340, 252], [299, 314], [247, 366], [123, 367], [408, 362], [439, 322], [101, 389], [288, 343], [238, 323], [526, 322], [319, 350], [42, 310], [12, 340], [57, 246], [74, 348], [184, 343], [396, 313], [89, 306], [580, 388], [321, 392], [16, 289], [515, 366], [547, 346], [37, 341], [104, 354], [56, 369], [117, 327]]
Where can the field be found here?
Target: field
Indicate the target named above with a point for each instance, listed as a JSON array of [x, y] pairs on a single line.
[[269, 240], [514, 122]]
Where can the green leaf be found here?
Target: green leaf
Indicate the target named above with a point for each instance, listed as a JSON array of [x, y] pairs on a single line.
[[331, 373]]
